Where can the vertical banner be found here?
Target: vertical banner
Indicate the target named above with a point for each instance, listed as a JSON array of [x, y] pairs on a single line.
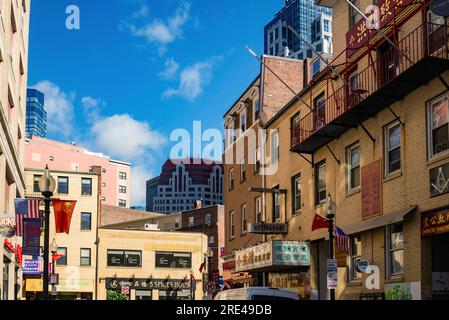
[[31, 237], [63, 210]]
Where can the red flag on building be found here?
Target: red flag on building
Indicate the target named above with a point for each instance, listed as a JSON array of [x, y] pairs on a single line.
[[202, 266], [55, 257], [319, 223], [63, 210]]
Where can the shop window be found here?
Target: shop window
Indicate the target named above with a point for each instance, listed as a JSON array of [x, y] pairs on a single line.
[[395, 250]]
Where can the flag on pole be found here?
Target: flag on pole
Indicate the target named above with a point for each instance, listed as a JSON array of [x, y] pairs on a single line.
[[203, 265], [25, 209], [63, 210], [342, 239], [319, 223]]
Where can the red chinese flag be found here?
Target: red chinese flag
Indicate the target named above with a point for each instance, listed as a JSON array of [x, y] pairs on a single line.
[[63, 210], [56, 257], [319, 223]]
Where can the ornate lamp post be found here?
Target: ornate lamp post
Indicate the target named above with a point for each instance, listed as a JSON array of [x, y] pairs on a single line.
[[330, 215], [54, 250], [47, 186]]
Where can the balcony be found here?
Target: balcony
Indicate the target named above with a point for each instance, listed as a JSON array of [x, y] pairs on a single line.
[[423, 56]]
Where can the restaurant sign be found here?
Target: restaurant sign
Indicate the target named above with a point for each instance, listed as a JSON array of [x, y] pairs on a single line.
[[268, 228], [433, 223], [270, 254], [147, 284]]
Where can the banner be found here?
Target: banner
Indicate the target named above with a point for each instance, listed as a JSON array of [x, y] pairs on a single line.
[[33, 266], [63, 210], [7, 226], [31, 237]]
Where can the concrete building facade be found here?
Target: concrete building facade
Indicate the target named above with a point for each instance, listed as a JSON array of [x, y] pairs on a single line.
[[14, 30]]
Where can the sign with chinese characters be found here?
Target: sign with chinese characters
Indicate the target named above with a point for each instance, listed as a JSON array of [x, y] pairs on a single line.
[[275, 253], [268, 228], [297, 282], [371, 179], [439, 180], [148, 284], [291, 253], [360, 34], [433, 223], [33, 266]]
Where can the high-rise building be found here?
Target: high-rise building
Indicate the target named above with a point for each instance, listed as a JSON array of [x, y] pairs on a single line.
[[184, 182], [152, 185], [300, 15], [115, 175], [14, 18], [36, 116]]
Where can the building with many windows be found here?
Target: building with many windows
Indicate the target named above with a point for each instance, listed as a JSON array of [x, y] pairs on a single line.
[[115, 175], [36, 116], [306, 18], [14, 30], [152, 189], [183, 182]]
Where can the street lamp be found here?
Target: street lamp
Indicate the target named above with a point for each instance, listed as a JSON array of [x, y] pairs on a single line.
[[210, 256], [330, 215], [54, 250], [47, 186]]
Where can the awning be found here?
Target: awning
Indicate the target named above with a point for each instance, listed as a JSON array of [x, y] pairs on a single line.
[[378, 222]]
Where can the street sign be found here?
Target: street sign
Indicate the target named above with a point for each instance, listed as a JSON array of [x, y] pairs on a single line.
[[332, 273], [54, 278], [125, 290]]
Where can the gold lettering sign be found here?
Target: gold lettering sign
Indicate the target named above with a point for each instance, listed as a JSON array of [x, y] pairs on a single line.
[[433, 223]]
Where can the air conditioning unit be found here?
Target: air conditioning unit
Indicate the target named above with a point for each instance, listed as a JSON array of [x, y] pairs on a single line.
[[151, 227]]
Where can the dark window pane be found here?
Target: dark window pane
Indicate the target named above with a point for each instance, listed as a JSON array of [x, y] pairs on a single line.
[[440, 139], [63, 260], [86, 221], [63, 185], [86, 186]]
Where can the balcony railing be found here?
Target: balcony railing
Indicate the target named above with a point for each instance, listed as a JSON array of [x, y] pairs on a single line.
[[428, 41]]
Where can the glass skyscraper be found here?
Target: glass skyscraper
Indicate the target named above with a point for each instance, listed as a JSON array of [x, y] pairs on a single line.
[[36, 116], [300, 15]]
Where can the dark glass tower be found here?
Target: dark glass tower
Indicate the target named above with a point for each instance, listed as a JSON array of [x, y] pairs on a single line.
[[36, 116]]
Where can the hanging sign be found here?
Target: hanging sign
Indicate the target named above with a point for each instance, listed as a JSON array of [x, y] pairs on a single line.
[[7, 226], [63, 210], [31, 237]]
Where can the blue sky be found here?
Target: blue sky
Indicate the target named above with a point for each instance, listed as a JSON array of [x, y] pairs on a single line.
[[136, 70]]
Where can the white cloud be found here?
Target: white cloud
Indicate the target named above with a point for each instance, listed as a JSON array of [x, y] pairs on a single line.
[[140, 174], [163, 32], [170, 71], [142, 12], [193, 79], [59, 107], [92, 108]]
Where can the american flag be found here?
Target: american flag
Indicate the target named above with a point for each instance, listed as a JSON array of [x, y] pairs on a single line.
[[342, 239], [25, 209]]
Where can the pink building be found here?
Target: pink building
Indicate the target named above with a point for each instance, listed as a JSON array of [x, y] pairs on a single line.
[[115, 176]]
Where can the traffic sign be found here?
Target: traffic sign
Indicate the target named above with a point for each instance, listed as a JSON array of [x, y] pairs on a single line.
[[332, 273]]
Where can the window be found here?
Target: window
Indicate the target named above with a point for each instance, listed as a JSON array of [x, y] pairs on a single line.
[[353, 162], [354, 15], [258, 209], [208, 219], [295, 129], [121, 258], [36, 183], [231, 225], [85, 257], [244, 220], [191, 221], [231, 179], [316, 66], [274, 146], [173, 260], [257, 110], [355, 254], [242, 171], [276, 205], [320, 110], [122, 189], [243, 120], [63, 185], [296, 194], [122, 175], [392, 148], [354, 92], [86, 186], [211, 240], [257, 163], [395, 250], [63, 260], [438, 126], [327, 26], [122, 203], [320, 182], [86, 221]]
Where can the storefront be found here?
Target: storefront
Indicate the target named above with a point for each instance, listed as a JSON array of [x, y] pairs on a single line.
[[435, 228], [285, 264]]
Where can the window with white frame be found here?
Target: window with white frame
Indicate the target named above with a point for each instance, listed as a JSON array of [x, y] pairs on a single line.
[[274, 146], [353, 162], [395, 249], [392, 148], [243, 170], [258, 209], [244, 220], [232, 225], [296, 193], [320, 182], [438, 126], [355, 254], [257, 162], [243, 120]]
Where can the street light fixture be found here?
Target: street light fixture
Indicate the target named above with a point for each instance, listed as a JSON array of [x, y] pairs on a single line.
[[330, 208], [47, 185]]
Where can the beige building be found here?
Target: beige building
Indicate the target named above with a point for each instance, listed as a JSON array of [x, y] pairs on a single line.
[[77, 268], [150, 265], [14, 24], [377, 143]]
